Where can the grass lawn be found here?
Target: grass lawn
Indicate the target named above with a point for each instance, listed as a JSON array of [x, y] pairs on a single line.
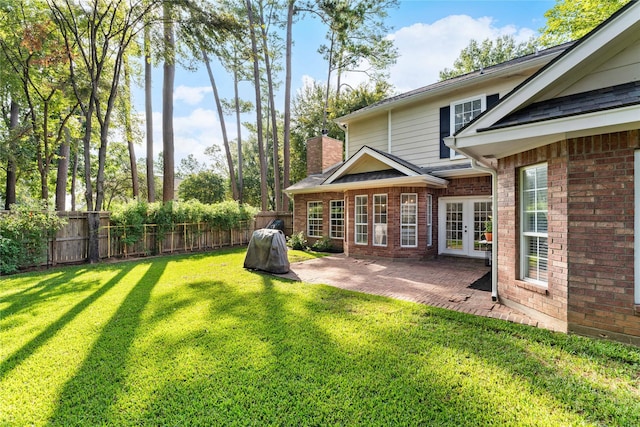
[[197, 340]]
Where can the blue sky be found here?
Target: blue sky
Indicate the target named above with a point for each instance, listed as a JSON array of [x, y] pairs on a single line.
[[428, 34]]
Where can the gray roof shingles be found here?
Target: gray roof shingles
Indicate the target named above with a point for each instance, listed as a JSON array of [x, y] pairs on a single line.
[[571, 105]]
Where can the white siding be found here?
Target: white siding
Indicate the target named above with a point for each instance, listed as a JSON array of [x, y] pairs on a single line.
[[371, 132], [622, 68], [415, 130]]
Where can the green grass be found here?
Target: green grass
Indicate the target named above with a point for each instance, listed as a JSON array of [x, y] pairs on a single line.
[[197, 340]]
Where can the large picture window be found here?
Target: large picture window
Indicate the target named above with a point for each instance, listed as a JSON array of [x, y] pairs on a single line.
[[380, 220], [314, 219], [361, 217], [337, 219], [534, 214], [409, 220]]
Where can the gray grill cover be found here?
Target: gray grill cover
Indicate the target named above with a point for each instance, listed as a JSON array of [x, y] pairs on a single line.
[[267, 251]]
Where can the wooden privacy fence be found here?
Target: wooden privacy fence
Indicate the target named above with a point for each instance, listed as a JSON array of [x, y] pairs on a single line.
[[264, 218], [71, 243]]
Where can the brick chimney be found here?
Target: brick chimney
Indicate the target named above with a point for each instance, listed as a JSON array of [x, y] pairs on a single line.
[[322, 153]]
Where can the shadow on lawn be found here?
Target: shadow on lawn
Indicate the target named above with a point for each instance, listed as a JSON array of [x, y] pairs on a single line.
[[26, 301], [87, 398]]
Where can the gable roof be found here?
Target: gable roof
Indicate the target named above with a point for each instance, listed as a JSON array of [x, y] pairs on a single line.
[[535, 114], [368, 168]]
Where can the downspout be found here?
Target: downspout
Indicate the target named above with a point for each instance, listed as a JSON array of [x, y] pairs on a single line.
[[494, 216], [451, 142]]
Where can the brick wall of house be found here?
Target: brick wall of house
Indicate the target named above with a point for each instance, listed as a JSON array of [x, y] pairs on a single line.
[[601, 235], [393, 249], [474, 186], [551, 300], [300, 214]]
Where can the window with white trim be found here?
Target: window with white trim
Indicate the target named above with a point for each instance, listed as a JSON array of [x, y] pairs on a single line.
[[463, 111], [534, 220], [337, 219], [408, 220], [361, 220], [429, 220], [314, 219], [379, 220]]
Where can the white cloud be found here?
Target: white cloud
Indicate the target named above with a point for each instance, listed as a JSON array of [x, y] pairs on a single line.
[[192, 134], [426, 49], [190, 95]]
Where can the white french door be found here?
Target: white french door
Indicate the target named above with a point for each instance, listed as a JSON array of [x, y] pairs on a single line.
[[461, 225]]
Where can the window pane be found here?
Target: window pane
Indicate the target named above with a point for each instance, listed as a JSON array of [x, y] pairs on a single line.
[[534, 209], [362, 224], [337, 219], [314, 219], [380, 220], [409, 220]]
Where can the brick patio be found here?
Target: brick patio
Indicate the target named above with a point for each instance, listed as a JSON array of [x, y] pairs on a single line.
[[438, 283]]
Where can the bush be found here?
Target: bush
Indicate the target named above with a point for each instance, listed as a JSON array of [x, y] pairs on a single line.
[[297, 241], [24, 235], [132, 216], [323, 245]]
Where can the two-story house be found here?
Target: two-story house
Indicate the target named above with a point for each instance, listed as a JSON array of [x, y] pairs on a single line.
[[549, 144], [401, 192]]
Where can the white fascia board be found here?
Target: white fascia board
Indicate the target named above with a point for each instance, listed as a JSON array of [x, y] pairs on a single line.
[[415, 181], [371, 153], [504, 142]]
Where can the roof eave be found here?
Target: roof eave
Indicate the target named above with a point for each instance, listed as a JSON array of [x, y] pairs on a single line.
[[405, 181]]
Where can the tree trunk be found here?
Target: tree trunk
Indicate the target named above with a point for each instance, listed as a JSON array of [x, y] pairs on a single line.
[[286, 143], [128, 129], [238, 126], [63, 172], [256, 82], [277, 188], [169, 70], [12, 175], [74, 174], [225, 139], [148, 112]]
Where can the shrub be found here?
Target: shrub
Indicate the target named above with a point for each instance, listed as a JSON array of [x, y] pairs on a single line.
[[130, 219], [24, 235], [297, 241], [323, 245]]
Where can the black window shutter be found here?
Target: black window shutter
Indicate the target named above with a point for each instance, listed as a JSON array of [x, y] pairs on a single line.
[[445, 120], [492, 100]]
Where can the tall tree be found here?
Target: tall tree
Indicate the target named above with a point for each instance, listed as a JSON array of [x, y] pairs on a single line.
[[63, 171], [357, 40], [169, 71], [32, 52], [127, 119], [12, 175], [96, 37], [272, 106], [286, 139], [148, 110], [477, 56], [264, 195], [569, 19], [223, 126]]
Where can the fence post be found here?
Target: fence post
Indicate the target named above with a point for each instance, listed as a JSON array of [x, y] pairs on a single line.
[[93, 223]]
